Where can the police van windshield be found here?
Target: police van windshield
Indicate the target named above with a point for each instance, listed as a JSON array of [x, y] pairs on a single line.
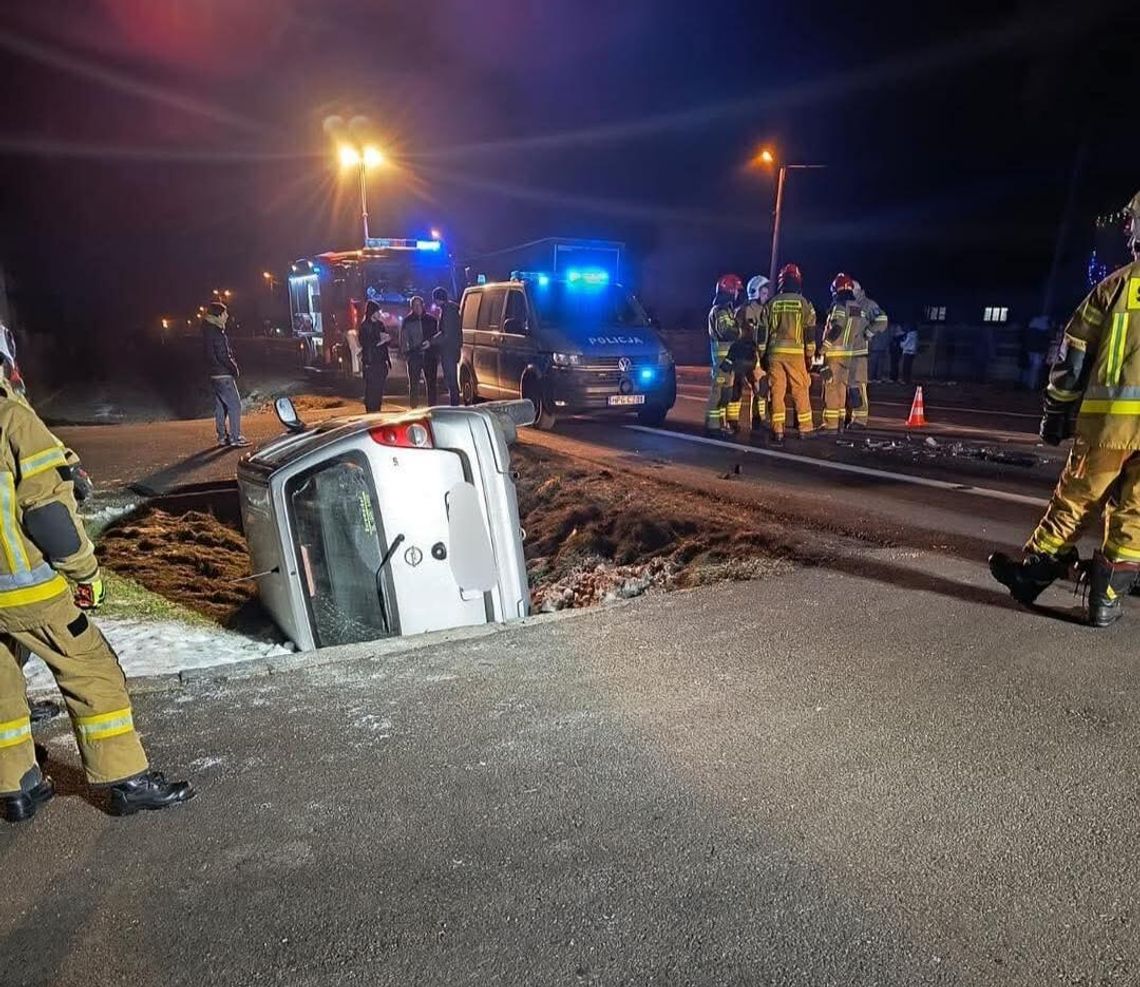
[[574, 307]]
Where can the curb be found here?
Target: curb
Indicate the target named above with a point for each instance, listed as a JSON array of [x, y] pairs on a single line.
[[340, 654]]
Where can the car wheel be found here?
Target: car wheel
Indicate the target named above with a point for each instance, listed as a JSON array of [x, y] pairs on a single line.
[[544, 418], [467, 386], [652, 415]]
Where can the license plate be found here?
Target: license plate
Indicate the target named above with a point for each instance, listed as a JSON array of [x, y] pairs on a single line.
[[619, 400]]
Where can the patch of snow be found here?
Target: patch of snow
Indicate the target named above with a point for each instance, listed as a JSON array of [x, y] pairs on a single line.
[[104, 516], [158, 647]]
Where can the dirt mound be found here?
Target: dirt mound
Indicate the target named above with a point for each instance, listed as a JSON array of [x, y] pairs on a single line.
[[593, 536], [192, 558]]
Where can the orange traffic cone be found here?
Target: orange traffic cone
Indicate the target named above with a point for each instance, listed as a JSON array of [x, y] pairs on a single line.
[[917, 417]]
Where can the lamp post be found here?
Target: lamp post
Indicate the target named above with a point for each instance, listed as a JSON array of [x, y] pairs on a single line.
[[363, 158], [768, 159]]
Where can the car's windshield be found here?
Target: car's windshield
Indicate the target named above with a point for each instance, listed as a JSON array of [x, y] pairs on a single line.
[[574, 307]]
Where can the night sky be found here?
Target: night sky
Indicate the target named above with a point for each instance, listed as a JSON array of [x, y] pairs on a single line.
[[151, 151]]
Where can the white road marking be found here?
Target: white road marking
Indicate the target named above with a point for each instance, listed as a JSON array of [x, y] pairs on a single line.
[[918, 481]]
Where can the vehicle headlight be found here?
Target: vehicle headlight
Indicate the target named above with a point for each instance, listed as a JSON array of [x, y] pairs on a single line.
[[566, 359], [664, 359]]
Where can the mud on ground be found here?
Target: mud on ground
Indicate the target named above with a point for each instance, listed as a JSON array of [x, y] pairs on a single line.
[[591, 537]]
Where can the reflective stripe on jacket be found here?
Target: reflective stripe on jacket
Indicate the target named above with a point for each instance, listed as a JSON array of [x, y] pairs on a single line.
[[41, 538], [1104, 337], [850, 326], [791, 323]]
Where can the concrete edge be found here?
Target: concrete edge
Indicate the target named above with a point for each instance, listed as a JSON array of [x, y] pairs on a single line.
[[341, 654]]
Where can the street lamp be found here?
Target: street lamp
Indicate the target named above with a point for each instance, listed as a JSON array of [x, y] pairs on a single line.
[[365, 157], [270, 281], [767, 158]]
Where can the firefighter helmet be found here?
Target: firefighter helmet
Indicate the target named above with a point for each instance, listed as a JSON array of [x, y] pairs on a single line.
[[1132, 224], [789, 273], [843, 282], [756, 285], [728, 288]]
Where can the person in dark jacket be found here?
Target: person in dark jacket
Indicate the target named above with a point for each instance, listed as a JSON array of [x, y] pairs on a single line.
[[375, 359], [223, 371], [449, 342], [417, 335]]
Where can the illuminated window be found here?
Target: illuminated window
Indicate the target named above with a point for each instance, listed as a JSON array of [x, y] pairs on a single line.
[[935, 313], [996, 313]]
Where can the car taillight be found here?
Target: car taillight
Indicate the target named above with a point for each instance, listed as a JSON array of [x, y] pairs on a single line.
[[404, 435]]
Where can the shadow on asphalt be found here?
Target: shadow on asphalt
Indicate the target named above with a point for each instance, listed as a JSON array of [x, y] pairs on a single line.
[[162, 480]]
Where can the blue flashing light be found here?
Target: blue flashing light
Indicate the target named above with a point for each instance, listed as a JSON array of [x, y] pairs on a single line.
[[574, 276], [543, 280], [316, 269], [646, 375], [481, 279], [428, 245]]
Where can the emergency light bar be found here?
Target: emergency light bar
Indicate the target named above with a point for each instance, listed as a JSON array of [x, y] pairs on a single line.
[[589, 277], [394, 243], [539, 277]]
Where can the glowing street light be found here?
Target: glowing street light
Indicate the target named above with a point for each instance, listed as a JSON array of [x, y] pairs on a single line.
[[363, 157], [435, 234], [767, 158]]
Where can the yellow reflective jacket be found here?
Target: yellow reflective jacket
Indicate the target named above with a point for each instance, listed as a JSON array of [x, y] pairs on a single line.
[[791, 325], [850, 326], [1099, 364], [41, 538]]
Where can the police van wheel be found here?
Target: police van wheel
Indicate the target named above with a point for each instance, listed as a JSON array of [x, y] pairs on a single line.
[[544, 418], [652, 415], [467, 386]]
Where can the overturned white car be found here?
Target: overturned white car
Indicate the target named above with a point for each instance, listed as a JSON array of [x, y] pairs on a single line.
[[375, 526]]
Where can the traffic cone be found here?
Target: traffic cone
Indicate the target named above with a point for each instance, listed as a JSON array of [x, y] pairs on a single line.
[[917, 417]]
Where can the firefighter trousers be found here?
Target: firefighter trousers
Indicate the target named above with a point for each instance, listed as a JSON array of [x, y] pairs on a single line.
[[1089, 479], [716, 408], [842, 392], [94, 689], [789, 374]]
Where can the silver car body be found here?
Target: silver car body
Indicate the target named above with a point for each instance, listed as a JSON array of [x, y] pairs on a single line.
[[353, 540]]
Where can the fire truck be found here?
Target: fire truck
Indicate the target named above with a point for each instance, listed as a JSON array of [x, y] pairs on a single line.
[[328, 292]]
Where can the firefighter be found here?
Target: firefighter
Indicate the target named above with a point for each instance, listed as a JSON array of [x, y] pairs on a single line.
[[876, 322], [748, 362], [723, 332], [49, 580], [850, 324], [790, 319], [1091, 395]]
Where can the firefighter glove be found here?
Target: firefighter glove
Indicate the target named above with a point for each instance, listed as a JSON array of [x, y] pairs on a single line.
[[90, 596], [84, 487], [826, 374], [725, 366]]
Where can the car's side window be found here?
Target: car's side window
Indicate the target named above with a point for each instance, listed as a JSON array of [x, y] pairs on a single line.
[[491, 309], [516, 310], [471, 310]]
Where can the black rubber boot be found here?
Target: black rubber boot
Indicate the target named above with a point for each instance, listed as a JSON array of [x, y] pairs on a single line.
[[1109, 583], [1028, 577], [18, 808], [147, 791]]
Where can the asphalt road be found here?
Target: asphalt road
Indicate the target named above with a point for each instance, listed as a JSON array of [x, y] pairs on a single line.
[[816, 779]]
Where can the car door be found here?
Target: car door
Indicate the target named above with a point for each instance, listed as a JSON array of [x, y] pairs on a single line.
[[516, 346], [469, 315], [487, 339]]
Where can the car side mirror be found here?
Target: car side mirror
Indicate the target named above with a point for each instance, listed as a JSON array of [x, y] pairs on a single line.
[[287, 415], [516, 327], [472, 557]]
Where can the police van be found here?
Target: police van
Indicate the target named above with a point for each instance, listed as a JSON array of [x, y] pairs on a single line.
[[575, 343]]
